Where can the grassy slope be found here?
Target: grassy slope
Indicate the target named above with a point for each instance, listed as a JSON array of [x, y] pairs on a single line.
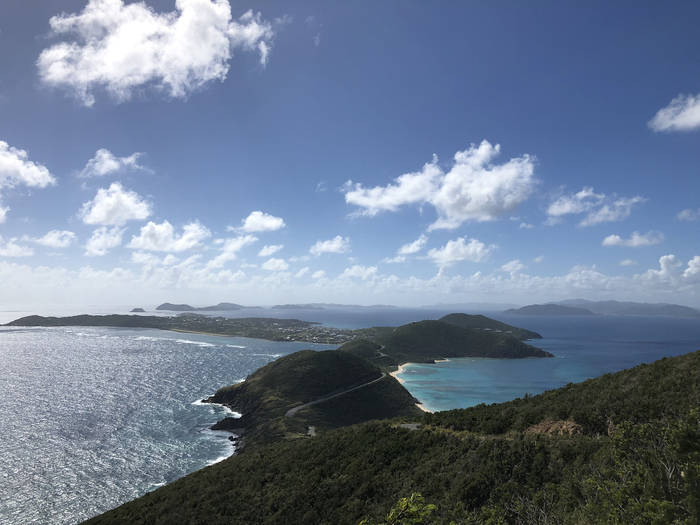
[[343, 475]]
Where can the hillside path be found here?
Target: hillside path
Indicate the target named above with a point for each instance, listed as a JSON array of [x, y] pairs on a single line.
[[290, 413]]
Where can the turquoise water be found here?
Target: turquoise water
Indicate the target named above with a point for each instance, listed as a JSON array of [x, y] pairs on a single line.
[[584, 347]]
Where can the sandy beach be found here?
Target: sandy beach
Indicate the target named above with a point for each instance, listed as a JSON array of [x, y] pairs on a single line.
[[401, 368]]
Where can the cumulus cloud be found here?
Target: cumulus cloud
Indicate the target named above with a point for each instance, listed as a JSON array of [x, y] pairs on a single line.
[[524, 225], [689, 215], [114, 206], [162, 237], [230, 249], [103, 240], [413, 247], [637, 240], [11, 249], [408, 249], [628, 262], [258, 222], [55, 239], [460, 250], [598, 207], [473, 190], [337, 244], [513, 266], [358, 271], [16, 168], [302, 272], [128, 48], [320, 274], [682, 114], [274, 265], [105, 163], [269, 250]]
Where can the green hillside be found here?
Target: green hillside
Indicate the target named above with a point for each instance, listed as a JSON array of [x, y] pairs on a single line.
[[481, 322], [644, 467], [428, 340], [268, 395]]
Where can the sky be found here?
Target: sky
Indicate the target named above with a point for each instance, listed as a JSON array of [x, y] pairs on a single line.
[[398, 152]]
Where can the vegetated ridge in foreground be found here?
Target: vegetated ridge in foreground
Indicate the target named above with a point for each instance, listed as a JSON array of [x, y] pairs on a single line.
[[622, 448]]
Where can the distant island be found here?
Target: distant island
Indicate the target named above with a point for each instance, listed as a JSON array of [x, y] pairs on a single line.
[[138, 311], [583, 307], [221, 307], [548, 309], [296, 307]]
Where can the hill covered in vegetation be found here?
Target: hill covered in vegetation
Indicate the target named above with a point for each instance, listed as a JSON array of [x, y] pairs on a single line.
[[623, 448], [325, 390], [428, 340], [481, 322]]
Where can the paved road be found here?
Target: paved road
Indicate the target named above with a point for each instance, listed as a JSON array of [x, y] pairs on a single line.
[[294, 410]]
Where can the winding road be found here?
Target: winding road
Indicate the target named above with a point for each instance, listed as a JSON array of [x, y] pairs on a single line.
[[290, 413]]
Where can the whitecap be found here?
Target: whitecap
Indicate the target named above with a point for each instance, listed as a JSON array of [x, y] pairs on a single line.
[[235, 346]]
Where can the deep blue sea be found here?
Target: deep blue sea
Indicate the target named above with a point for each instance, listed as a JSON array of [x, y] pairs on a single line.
[[93, 417]]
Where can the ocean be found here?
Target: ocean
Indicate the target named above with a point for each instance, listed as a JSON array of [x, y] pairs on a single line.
[[93, 417]]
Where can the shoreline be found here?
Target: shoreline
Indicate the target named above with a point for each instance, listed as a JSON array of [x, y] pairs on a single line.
[[395, 375]]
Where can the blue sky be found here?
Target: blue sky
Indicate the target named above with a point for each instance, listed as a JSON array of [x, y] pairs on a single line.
[[401, 153]]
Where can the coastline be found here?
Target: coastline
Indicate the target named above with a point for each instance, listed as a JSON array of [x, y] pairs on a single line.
[[395, 375]]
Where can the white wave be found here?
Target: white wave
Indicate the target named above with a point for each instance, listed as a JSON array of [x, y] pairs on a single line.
[[236, 346], [197, 343]]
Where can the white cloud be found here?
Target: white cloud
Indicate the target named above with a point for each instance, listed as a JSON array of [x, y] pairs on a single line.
[[103, 240], [274, 265], [362, 272], [105, 163], [258, 221], [337, 244], [317, 40], [513, 266], [618, 210], [128, 48], [637, 240], [320, 274], [3, 213], [229, 250], [162, 238], [407, 249], [598, 206], [459, 250], [628, 262], [303, 258], [16, 168], [11, 249], [525, 226], [413, 247], [269, 250], [302, 272], [682, 114], [114, 206], [55, 239], [539, 259], [473, 190], [689, 215]]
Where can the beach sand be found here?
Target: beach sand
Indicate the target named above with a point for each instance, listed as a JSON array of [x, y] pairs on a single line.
[[396, 373]]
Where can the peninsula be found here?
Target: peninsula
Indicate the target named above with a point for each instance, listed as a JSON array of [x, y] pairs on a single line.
[[415, 342]]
